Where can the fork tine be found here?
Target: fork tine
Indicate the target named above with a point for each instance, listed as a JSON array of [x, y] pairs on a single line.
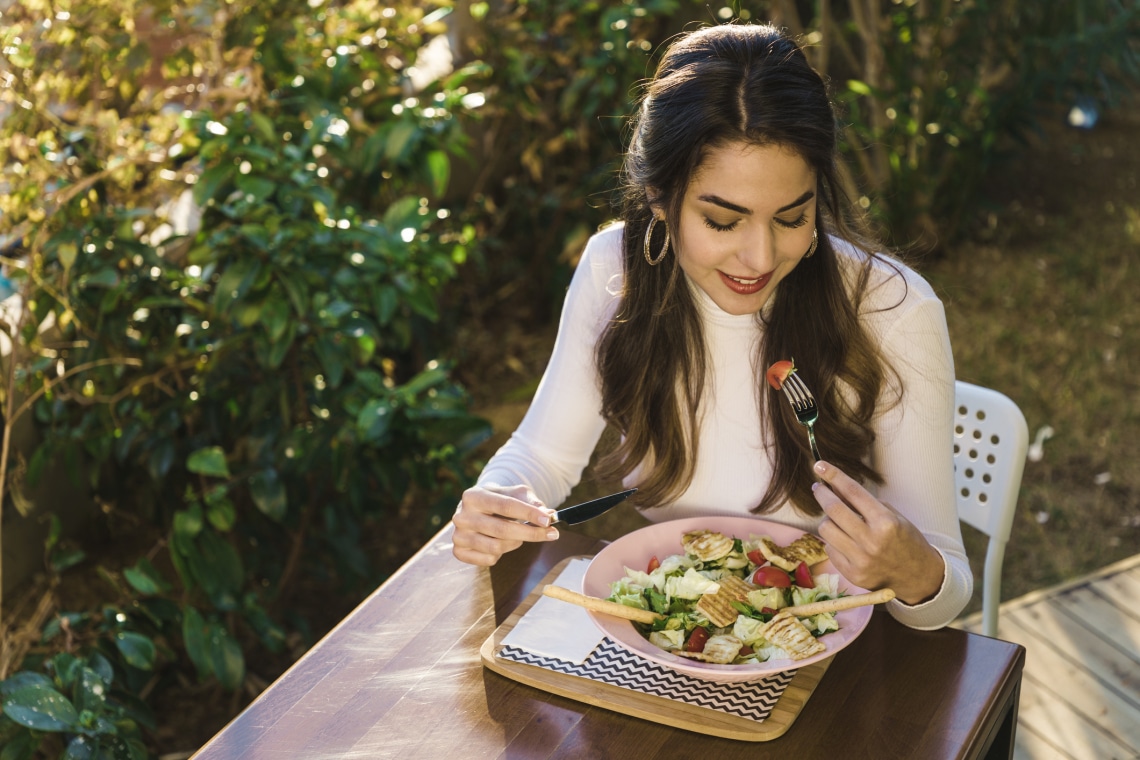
[[793, 398], [800, 387]]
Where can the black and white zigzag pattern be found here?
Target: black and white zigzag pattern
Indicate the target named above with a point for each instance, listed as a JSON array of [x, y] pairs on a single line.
[[611, 664]]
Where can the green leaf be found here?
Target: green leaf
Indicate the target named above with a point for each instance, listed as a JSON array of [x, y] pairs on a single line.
[[235, 282], [102, 278], [217, 568], [160, 460], [66, 667], [209, 461], [21, 680], [137, 650], [64, 558], [194, 638], [425, 380], [226, 660], [102, 666], [90, 691], [258, 187], [268, 494], [145, 578], [385, 299], [422, 302], [42, 709], [374, 419], [212, 181], [67, 252], [439, 167], [280, 348], [55, 531], [859, 88], [399, 137], [188, 522], [82, 747], [297, 290], [264, 125], [275, 315], [332, 359], [403, 212], [222, 515], [23, 746]]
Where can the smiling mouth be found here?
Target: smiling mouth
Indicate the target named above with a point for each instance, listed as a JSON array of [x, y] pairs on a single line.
[[745, 286]]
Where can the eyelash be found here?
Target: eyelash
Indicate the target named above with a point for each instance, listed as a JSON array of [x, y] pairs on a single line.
[[792, 225], [730, 227], [720, 227]]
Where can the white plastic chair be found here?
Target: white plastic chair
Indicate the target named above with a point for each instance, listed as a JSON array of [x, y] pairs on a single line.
[[990, 443]]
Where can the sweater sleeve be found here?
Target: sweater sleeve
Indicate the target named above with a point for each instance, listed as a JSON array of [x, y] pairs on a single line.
[[557, 436], [914, 452]]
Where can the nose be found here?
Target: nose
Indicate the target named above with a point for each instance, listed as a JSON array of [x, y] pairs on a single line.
[[758, 251]]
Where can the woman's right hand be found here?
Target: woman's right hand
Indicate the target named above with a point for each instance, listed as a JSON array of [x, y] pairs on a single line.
[[493, 520]]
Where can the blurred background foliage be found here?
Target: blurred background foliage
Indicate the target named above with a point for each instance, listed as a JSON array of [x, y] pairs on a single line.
[[243, 238]]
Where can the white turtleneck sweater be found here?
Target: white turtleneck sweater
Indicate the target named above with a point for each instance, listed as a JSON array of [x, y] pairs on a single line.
[[913, 443]]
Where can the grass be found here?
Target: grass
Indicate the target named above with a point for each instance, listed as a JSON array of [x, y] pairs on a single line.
[[1041, 306], [1045, 311]]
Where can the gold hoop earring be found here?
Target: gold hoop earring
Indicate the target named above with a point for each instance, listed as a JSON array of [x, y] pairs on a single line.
[[814, 244], [664, 246]]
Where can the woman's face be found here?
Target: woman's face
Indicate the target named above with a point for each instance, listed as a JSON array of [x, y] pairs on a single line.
[[746, 221]]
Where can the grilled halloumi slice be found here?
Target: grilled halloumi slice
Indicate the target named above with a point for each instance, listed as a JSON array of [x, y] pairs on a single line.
[[718, 607], [807, 548], [707, 545], [720, 649], [791, 635]]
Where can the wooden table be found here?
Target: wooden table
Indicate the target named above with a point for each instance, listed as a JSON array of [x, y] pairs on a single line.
[[401, 677]]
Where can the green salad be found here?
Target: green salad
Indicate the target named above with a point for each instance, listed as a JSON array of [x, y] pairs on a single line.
[[719, 594]]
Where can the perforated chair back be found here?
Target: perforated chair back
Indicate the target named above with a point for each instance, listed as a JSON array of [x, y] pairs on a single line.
[[990, 443]]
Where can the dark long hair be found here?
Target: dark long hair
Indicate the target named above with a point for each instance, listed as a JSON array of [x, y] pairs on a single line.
[[717, 85]]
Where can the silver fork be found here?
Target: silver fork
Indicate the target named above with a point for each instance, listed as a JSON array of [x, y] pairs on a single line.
[[803, 404]]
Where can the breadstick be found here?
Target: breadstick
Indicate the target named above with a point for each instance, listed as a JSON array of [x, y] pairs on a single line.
[[603, 606], [842, 603]]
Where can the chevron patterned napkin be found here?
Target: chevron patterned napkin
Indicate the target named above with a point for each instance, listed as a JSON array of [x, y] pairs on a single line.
[[561, 637], [556, 630]]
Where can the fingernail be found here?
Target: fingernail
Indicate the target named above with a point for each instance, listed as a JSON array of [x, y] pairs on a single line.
[[552, 534], [544, 520], [814, 486], [820, 467]]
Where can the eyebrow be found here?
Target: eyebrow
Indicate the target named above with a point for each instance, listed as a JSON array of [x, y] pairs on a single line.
[[807, 196]]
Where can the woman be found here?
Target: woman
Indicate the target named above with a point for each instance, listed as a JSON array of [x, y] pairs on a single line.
[[736, 251]]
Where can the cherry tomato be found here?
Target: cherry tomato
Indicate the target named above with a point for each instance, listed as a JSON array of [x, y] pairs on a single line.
[[654, 563], [803, 576], [779, 372], [756, 557], [771, 576], [767, 611], [697, 640], [745, 650]]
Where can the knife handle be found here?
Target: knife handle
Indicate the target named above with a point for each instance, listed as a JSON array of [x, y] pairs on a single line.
[[604, 606]]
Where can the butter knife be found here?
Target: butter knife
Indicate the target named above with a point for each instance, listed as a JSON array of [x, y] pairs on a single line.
[[588, 510]]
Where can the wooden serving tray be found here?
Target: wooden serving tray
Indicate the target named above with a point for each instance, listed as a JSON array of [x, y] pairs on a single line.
[[647, 706]]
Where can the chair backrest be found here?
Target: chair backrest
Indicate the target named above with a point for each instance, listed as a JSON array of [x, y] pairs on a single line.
[[990, 444]]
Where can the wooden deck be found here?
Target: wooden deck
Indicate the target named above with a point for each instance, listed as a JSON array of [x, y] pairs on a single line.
[[1080, 697]]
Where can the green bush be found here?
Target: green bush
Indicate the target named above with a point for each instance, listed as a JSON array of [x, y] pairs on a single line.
[[260, 389], [938, 94]]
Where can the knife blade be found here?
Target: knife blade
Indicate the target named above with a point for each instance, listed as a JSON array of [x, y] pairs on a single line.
[[588, 510]]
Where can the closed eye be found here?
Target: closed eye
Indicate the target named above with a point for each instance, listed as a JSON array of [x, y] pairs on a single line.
[[721, 227], [800, 222]]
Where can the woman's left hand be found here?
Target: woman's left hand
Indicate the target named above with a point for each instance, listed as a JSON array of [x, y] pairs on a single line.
[[871, 544]]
